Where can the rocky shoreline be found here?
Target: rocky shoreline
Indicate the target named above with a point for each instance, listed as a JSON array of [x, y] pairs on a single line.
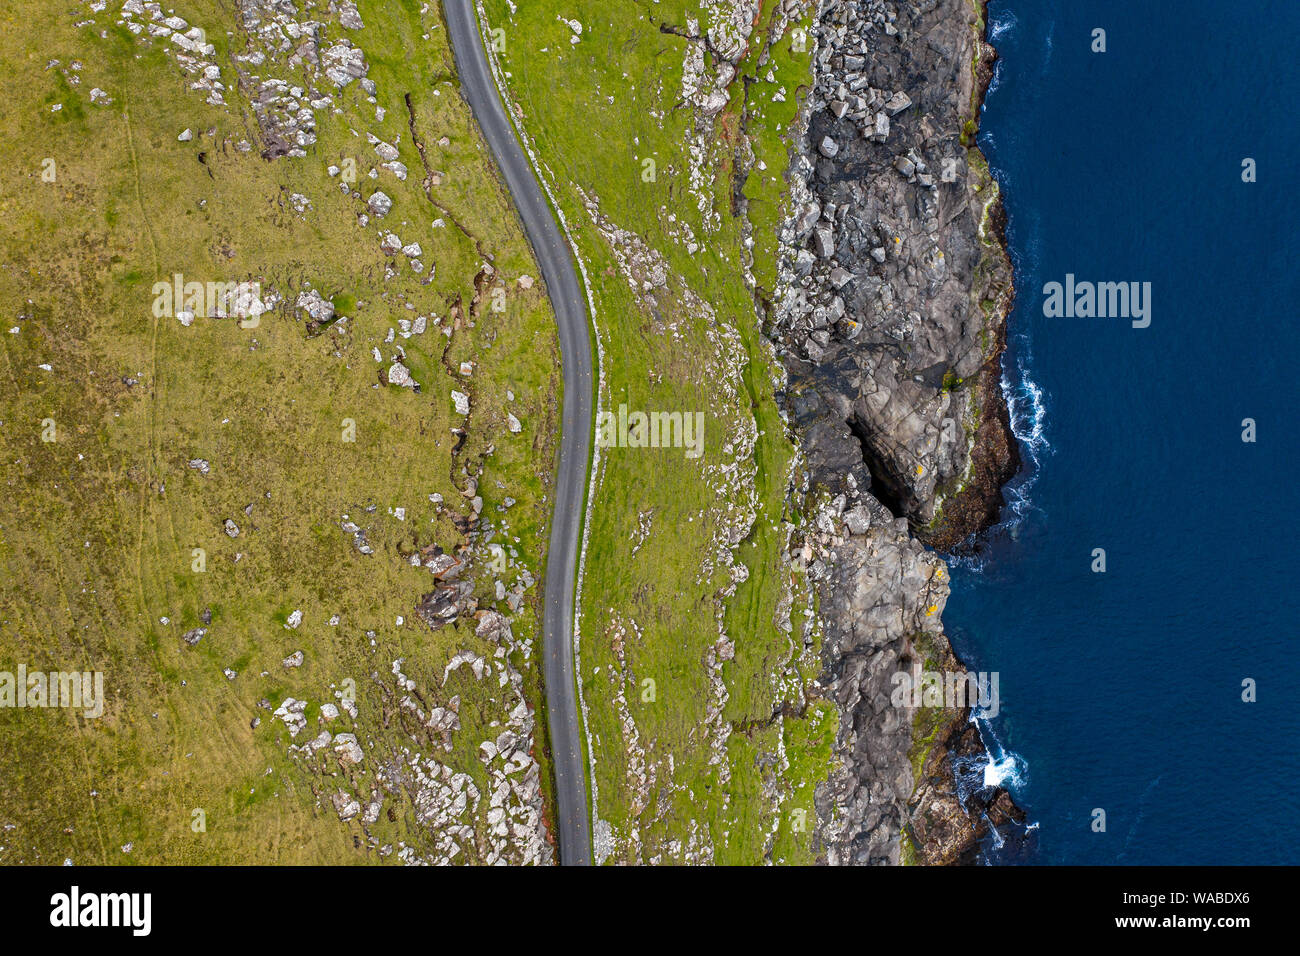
[[889, 319]]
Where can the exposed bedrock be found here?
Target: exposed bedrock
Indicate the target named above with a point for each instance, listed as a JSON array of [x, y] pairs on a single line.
[[889, 318], [897, 281]]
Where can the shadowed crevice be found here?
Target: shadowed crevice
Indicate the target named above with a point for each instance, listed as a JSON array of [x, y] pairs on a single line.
[[884, 487]]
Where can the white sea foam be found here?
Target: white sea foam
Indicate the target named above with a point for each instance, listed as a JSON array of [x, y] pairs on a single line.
[[1003, 768], [1027, 409], [998, 842], [995, 82], [999, 26], [1002, 773], [1004, 21]]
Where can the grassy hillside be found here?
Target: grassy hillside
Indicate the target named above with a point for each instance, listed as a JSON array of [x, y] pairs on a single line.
[[114, 540], [660, 127]]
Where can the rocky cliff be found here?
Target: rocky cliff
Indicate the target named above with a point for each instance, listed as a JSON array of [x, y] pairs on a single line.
[[889, 319]]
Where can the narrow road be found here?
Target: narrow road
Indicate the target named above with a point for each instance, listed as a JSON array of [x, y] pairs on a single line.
[[570, 304]]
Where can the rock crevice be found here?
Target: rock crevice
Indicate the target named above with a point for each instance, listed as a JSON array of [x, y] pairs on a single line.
[[893, 288]]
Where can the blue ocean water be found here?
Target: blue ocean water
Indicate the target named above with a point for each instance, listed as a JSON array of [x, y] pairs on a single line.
[[1123, 690]]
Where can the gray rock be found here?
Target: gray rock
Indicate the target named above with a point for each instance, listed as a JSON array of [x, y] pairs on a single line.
[[348, 15], [315, 305], [807, 217], [897, 103], [824, 240], [400, 375], [343, 63], [857, 520]]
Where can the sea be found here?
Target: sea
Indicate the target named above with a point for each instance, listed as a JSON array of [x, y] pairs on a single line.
[[1147, 711]]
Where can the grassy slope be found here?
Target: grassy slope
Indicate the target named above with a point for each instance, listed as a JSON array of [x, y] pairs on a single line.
[[97, 529], [661, 604]]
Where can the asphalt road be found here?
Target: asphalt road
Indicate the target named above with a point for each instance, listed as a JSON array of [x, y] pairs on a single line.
[[570, 304]]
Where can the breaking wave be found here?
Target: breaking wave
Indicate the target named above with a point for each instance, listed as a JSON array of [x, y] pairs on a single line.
[[996, 768], [1027, 409], [1004, 21], [1003, 768], [979, 776], [1000, 25]]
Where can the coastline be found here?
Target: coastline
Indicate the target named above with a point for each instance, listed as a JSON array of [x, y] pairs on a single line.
[[896, 237], [995, 454]]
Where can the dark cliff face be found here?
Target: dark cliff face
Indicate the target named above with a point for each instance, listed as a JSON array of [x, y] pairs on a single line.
[[889, 319]]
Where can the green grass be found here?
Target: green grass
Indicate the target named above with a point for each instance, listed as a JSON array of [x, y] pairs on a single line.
[[97, 529], [716, 786]]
